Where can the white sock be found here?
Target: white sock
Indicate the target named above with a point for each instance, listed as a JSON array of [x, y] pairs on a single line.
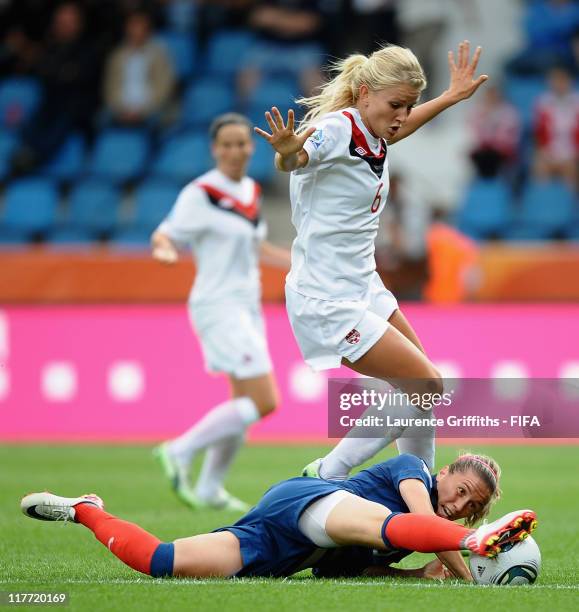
[[226, 420], [218, 458], [353, 450], [422, 445]]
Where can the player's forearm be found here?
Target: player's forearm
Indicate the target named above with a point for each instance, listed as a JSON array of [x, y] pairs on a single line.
[[291, 162], [274, 256], [455, 563], [394, 572], [422, 114], [161, 240]]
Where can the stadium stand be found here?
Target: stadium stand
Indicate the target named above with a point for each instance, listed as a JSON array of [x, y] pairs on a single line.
[[487, 210], [30, 207]]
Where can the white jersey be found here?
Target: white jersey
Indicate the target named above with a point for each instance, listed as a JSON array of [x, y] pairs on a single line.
[[336, 202], [220, 219]]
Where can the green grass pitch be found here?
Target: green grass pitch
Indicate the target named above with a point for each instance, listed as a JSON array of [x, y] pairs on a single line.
[[36, 556]]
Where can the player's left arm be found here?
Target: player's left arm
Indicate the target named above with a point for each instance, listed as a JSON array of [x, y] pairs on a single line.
[[433, 570], [416, 497], [462, 86], [272, 255]]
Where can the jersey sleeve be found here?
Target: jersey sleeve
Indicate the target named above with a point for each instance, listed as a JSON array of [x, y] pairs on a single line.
[[328, 142], [187, 215], [407, 466]]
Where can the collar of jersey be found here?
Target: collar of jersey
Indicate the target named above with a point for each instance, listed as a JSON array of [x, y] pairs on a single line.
[[373, 142]]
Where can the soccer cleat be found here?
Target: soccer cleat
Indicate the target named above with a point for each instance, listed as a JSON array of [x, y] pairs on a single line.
[[226, 501], [490, 539], [312, 470], [176, 474], [49, 507]]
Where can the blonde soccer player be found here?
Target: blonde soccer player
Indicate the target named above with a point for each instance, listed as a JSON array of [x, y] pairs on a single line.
[[218, 215], [338, 307]]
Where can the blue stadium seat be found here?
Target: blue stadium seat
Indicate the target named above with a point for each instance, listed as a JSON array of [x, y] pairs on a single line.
[[19, 98], [68, 163], [30, 206], [523, 92], [11, 237], [271, 92], [546, 211], [182, 51], [226, 52], [70, 235], [153, 201], [94, 207], [119, 155], [183, 157], [132, 237], [261, 167], [486, 211], [204, 100], [8, 143]]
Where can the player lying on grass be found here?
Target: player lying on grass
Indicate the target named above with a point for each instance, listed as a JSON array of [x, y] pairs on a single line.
[[395, 507]]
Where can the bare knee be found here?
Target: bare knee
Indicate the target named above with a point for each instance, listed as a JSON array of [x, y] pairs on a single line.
[[435, 382], [266, 403]]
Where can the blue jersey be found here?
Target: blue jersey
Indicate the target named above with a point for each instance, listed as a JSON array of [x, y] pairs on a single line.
[[270, 540]]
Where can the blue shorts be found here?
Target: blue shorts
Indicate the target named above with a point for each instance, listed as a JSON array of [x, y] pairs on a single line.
[[269, 537]]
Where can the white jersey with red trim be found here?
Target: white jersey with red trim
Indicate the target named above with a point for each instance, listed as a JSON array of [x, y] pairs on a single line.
[[336, 202], [220, 219]]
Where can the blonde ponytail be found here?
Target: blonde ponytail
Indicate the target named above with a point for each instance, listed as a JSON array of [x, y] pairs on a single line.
[[389, 66]]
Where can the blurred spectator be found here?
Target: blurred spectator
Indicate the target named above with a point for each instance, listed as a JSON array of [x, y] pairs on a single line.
[[549, 27], [288, 42], [496, 128], [453, 273], [139, 77], [213, 15], [422, 25], [556, 129], [69, 72], [369, 24], [18, 54]]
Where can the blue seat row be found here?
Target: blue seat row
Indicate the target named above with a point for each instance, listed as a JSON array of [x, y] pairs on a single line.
[[32, 210], [121, 156], [546, 210]]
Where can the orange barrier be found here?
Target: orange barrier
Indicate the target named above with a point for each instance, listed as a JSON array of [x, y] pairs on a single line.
[[529, 273], [104, 276], [50, 276]]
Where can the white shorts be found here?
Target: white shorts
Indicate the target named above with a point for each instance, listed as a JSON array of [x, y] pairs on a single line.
[[233, 339], [326, 331], [312, 522]]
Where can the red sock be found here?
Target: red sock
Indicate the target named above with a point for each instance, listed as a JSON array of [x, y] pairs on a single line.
[[127, 541], [423, 533]]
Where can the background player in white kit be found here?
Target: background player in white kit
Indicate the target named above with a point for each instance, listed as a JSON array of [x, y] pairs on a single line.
[[218, 216], [338, 307]]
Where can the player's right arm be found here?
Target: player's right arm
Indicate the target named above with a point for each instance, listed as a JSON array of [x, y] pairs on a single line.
[[289, 146], [162, 248], [180, 225], [415, 496]]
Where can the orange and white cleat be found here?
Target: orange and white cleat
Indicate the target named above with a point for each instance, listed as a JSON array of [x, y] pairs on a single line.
[[46, 506], [491, 538]]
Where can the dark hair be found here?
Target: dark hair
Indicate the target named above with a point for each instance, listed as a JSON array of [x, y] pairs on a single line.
[[488, 470], [227, 119]]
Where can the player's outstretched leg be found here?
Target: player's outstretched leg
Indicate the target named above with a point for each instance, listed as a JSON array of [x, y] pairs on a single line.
[[133, 545], [355, 521]]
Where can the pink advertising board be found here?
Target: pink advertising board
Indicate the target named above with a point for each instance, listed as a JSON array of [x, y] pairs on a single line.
[[128, 373]]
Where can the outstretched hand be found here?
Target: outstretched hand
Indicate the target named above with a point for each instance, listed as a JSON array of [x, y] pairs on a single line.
[[462, 81], [283, 138]]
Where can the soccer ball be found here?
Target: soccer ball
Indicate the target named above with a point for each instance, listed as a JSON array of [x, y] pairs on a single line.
[[519, 564]]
